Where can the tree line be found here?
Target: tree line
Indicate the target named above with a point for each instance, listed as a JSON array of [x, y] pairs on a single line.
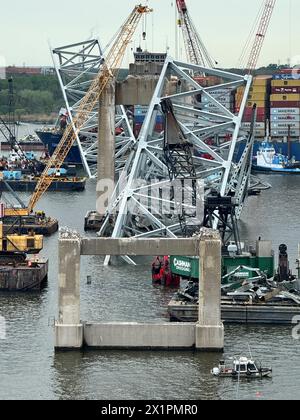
[[36, 94]]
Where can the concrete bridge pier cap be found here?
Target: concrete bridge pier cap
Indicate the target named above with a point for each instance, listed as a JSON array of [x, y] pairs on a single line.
[[208, 332]]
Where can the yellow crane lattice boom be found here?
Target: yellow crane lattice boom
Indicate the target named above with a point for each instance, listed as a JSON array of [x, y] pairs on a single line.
[[108, 71]]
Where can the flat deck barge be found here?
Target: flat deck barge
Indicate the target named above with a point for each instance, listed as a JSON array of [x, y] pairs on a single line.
[[26, 224], [233, 313], [58, 185]]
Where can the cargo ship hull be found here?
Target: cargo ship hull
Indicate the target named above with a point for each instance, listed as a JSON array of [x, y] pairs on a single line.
[[51, 141]]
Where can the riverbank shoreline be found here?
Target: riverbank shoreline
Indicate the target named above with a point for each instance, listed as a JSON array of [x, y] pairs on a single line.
[[48, 119]]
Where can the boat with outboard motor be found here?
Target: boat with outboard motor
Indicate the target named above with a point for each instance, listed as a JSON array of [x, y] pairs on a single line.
[[242, 367]]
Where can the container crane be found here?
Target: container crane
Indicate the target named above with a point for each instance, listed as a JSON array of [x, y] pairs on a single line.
[[196, 51], [107, 73]]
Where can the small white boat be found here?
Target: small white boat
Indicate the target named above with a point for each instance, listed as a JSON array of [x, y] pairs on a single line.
[[242, 367]]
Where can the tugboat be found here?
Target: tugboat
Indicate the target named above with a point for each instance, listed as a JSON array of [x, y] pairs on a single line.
[[242, 367], [267, 160]]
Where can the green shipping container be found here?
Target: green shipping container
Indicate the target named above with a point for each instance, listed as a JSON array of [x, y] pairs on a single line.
[[185, 266], [189, 267]]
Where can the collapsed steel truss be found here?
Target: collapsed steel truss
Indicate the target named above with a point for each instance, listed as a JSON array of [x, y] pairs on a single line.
[[76, 66], [215, 165]]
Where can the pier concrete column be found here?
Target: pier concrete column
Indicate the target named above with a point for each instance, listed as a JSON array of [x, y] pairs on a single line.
[[210, 329], [106, 145], [68, 328]]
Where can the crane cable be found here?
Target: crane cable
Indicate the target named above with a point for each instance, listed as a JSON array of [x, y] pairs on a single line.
[[242, 59]]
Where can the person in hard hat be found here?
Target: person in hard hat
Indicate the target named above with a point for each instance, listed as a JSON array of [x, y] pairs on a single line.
[[156, 270]]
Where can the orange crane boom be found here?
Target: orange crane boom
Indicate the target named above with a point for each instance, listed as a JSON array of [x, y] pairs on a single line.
[[108, 71]]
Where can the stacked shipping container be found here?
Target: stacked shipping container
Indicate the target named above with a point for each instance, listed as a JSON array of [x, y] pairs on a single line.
[[259, 95], [277, 99], [140, 113], [223, 96], [285, 105]]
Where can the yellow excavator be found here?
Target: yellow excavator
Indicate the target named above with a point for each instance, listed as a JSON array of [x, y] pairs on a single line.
[[29, 244]]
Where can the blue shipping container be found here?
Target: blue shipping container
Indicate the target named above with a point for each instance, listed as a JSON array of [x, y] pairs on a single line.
[[294, 76]]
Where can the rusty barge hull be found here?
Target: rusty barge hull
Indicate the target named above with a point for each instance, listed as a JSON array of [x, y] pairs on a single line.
[[23, 278], [15, 225]]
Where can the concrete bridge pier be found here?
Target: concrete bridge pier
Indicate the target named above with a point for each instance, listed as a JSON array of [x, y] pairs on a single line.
[[106, 146], [210, 329], [68, 327], [206, 335]]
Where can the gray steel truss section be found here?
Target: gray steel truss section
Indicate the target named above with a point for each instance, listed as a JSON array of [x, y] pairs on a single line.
[[76, 67], [142, 205]]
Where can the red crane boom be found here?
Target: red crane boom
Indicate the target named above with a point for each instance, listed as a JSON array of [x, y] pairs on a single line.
[[196, 51], [261, 34], [260, 37]]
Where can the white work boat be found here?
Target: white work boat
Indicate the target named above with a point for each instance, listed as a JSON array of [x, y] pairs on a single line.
[[242, 367], [267, 160]]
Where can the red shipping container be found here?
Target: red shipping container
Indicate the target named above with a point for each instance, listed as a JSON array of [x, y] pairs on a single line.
[[159, 127], [137, 129], [285, 104], [248, 118], [285, 90], [260, 111]]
